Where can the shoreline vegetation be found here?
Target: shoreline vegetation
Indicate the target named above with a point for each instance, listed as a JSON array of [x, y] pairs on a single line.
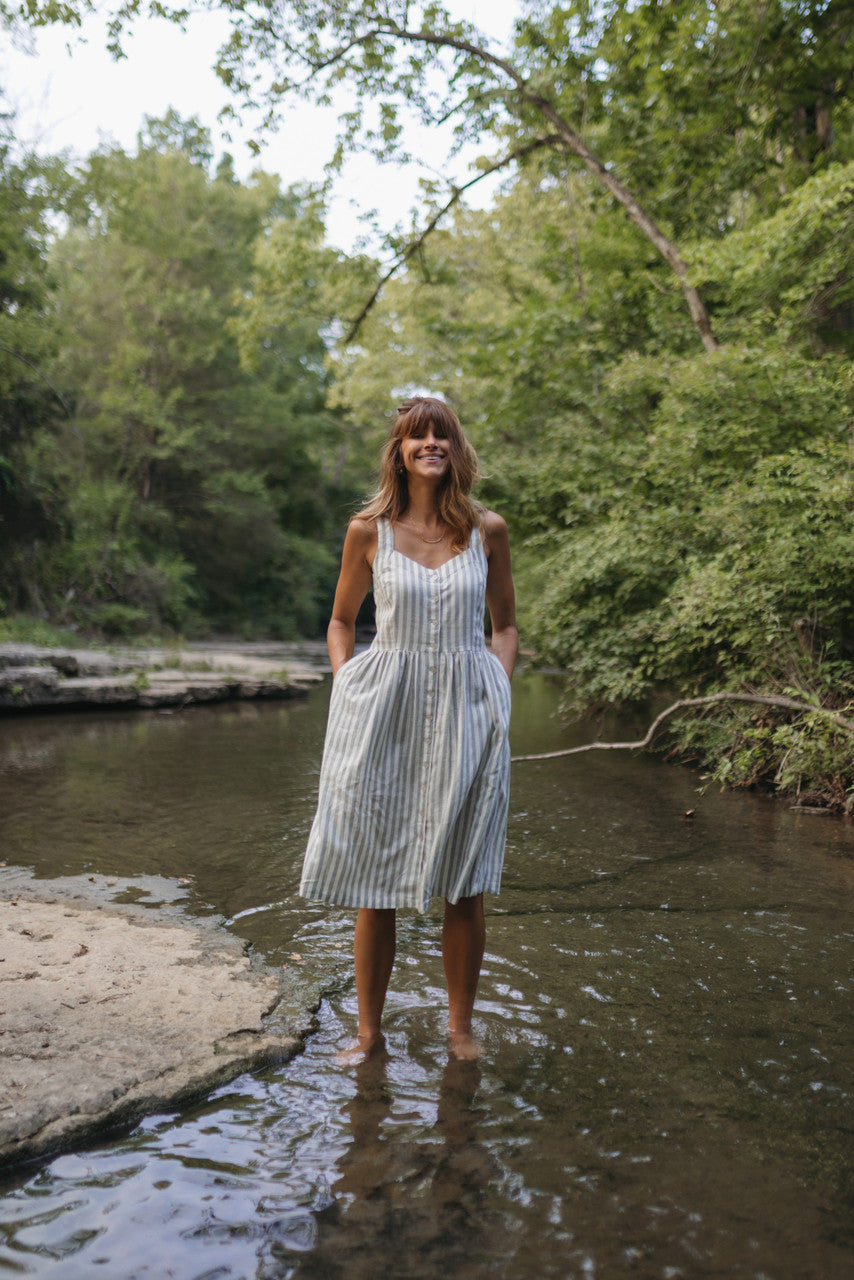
[[648, 335]]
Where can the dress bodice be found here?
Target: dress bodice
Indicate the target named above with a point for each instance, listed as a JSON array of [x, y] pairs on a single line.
[[428, 609]]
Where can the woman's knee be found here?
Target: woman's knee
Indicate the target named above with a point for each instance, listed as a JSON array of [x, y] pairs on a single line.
[[465, 908]]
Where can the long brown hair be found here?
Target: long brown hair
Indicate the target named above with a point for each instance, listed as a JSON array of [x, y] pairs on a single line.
[[460, 512]]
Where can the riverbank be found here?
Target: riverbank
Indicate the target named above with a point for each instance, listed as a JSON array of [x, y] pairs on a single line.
[[114, 1004], [36, 678]]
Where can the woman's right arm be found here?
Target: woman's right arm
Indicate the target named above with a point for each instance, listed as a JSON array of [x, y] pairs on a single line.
[[353, 583]]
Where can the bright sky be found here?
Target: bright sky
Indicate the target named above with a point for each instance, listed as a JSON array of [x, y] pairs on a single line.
[[75, 100]]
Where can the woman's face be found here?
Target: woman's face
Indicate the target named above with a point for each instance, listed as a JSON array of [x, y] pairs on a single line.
[[425, 454]]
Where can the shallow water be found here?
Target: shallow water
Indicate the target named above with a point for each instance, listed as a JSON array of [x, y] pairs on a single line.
[[665, 1006]]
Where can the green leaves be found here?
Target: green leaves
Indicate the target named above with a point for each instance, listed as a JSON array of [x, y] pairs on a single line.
[[191, 488], [792, 271]]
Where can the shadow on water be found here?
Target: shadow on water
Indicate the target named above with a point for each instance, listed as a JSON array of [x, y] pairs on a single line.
[[665, 1006]]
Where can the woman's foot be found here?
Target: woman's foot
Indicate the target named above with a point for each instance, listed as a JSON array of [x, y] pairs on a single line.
[[360, 1049], [463, 1046]]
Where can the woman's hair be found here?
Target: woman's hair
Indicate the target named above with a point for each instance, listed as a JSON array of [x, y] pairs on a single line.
[[460, 512]]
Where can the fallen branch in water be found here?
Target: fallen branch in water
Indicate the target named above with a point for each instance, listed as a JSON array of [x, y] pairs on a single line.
[[768, 699]]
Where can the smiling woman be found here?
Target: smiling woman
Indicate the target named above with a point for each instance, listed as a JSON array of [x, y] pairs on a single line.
[[415, 776]]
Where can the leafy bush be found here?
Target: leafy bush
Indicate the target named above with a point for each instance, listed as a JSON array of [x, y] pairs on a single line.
[[120, 620], [803, 755], [22, 628], [729, 556]]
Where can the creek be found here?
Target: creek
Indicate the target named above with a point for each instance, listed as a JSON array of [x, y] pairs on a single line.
[[665, 1008]]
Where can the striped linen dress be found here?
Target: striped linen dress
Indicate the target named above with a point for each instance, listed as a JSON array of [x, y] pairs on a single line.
[[416, 767]]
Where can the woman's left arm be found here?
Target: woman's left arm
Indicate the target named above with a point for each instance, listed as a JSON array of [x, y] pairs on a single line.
[[500, 596]]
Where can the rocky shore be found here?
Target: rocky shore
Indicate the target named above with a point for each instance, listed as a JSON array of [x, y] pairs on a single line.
[[114, 1004], [33, 678]]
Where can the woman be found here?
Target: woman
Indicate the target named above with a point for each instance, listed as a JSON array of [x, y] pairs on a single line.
[[415, 774]]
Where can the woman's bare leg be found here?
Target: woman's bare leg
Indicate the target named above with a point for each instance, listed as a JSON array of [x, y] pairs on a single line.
[[373, 948], [463, 939]]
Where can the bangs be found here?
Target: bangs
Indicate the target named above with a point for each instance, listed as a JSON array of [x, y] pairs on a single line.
[[416, 415]]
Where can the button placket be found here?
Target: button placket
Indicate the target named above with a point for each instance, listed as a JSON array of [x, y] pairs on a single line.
[[434, 619]]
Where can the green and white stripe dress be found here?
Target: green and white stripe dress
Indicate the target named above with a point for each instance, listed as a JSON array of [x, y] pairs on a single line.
[[416, 767]]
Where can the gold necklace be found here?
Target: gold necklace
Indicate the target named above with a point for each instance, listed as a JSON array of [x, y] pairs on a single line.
[[431, 542]]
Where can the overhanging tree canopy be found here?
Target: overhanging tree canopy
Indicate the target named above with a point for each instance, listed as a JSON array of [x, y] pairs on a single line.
[[575, 79]]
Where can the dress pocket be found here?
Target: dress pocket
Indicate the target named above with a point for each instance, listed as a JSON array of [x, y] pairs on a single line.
[[349, 668], [501, 692], [497, 661]]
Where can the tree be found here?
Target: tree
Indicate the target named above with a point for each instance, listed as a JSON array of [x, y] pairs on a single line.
[[636, 76], [683, 522], [197, 490], [310, 47], [29, 401]]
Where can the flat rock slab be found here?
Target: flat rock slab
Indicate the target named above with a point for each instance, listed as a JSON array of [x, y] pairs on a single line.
[[34, 678], [110, 1010]]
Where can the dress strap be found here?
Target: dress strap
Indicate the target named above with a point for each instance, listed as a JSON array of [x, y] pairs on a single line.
[[385, 535]]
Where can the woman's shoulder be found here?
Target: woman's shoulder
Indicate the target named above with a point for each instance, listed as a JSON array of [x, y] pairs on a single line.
[[493, 531], [493, 522], [362, 534], [362, 527], [494, 526]]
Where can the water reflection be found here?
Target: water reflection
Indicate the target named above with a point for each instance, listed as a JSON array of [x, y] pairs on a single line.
[[665, 1006], [420, 1201]]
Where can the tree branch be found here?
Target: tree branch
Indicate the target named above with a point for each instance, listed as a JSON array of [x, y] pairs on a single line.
[[414, 245], [334, 58], [589, 159], [443, 40], [23, 359], [767, 699]]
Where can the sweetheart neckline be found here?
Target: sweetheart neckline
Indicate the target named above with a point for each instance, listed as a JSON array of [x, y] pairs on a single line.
[[432, 568]]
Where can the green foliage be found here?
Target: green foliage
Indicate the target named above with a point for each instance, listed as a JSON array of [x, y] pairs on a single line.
[[22, 628], [802, 755], [684, 522], [29, 401], [791, 272], [705, 108], [192, 489]]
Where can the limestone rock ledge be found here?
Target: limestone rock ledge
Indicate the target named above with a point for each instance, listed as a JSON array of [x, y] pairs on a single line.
[[110, 1010], [33, 678]]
